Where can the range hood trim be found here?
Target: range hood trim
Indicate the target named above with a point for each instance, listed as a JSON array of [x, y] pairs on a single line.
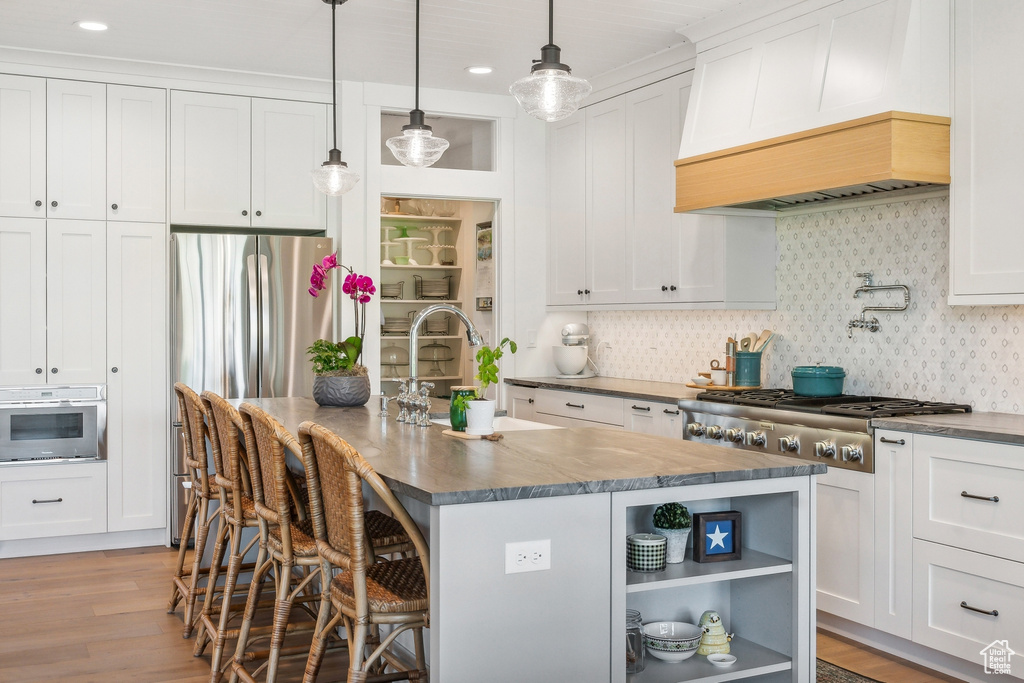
[[910, 149]]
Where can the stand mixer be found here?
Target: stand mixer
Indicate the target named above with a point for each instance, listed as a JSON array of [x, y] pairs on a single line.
[[572, 357]]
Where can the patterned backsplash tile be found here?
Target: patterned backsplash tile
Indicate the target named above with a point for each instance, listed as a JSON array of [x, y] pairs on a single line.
[[931, 351]]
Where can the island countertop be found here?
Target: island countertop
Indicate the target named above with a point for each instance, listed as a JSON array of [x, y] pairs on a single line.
[[426, 465]]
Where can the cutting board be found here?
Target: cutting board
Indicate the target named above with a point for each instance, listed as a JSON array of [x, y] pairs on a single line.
[[463, 435], [715, 387]]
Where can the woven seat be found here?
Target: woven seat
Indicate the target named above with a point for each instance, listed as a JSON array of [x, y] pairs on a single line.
[[366, 593], [303, 543]]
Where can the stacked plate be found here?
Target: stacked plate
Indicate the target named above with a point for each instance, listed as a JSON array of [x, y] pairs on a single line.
[[432, 289], [437, 325], [396, 325], [392, 290]]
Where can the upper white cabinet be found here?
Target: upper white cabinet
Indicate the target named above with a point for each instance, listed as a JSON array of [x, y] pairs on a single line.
[[76, 150], [22, 147], [242, 162], [22, 300], [567, 209], [988, 93], [136, 154], [607, 191]]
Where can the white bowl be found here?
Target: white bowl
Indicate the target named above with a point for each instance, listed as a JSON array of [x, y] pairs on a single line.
[[722, 660], [702, 381], [672, 641], [570, 360]]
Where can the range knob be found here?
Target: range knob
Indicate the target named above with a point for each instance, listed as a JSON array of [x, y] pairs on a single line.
[[789, 443], [696, 429], [853, 453], [733, 434], [714, 432], [825, 449], [757, 439]]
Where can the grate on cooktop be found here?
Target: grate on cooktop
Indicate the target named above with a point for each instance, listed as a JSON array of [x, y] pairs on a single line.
[[894, 407]]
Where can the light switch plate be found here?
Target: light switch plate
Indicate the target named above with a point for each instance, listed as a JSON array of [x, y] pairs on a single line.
[[527, 556]]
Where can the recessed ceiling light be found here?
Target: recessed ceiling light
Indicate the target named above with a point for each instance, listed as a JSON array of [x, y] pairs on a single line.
[[92, 25], [479, 69]]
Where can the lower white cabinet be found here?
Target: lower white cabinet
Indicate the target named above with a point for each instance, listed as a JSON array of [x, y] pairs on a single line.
[[39, 501], [578, 409], [653, 417], [520, 402], [845, 519], [894, 526]]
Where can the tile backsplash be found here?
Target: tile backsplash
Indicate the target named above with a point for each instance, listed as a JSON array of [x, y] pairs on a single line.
[[931, 351]]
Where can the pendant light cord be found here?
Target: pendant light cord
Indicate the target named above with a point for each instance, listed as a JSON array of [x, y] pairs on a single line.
[[418, 54], [551, 22], [334, 74]]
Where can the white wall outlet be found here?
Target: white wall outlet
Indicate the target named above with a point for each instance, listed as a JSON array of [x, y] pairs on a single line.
[[527, 556]]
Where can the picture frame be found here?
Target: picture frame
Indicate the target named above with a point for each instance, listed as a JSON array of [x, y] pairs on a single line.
[[717, 536], [484, 241], [484, 303]]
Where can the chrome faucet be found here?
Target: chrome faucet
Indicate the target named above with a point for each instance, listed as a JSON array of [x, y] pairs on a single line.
[[867, 286]]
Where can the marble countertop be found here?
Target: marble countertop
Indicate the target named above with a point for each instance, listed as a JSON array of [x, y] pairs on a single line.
[[994, 427], [666, 392], [424, 464]]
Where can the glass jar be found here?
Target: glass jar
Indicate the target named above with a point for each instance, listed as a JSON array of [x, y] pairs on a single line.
[[456, 415], [635, 650]]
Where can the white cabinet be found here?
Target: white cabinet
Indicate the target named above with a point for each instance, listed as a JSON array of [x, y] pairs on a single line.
[[76, 288], [652, 417], [988, 91], [76, 150], [606, 202], [136, 384], [22, 300], [521, 402], [242, 162], [22, 147], [136, 154], [846, 539], [578, 409], [39, 501], [567, 210], [894, 522]]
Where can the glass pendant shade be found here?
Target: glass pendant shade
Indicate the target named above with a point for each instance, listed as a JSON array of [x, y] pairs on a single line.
[[550, 94], [417, 147], [334, 177]]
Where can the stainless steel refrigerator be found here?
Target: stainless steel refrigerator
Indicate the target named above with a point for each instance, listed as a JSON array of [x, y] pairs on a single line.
[[241, 319]]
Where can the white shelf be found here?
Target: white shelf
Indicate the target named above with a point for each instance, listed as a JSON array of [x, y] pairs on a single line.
[[420, 301], [403, 218], [385, 266], [751, 660], [690, 573]]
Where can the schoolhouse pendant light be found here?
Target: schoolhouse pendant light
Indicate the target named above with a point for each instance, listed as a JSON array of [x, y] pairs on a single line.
[[550, 92], [334, 177], [417, 146]]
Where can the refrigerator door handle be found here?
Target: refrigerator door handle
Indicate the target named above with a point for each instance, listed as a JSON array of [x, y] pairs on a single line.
[[254, 321], [268, 314]]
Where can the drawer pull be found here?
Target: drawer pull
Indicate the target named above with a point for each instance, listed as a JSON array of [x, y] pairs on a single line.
[[52, 500], [671, 412], [898, 442], [994, 499], [647, 408], [990, 612], [573, 405]]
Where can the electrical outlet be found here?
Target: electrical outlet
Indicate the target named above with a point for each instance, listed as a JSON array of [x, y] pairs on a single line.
[[527, 556], [531, 339]]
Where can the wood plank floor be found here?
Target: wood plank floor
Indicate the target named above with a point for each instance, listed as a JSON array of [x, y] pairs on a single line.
[[101, 616]]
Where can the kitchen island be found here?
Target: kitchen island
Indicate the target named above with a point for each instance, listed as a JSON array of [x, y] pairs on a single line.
[[584, 491]]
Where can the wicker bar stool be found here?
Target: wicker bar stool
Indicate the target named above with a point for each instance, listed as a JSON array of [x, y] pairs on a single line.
[[238, 512], [185, 585], [365, 594]]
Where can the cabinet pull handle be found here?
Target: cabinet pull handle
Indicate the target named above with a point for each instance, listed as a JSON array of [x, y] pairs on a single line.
[[647, 408], [39, 203], [574, 405], [990, 612], [39, 371], [114, 369], [53, 371], [259, 213], [52, 500], [664, 288], [671, 412], [579, 292], [964, 494], [672, 288], [114, 207], [898, 442], [244, 212], [54, 203], [587, 292], [530, 400]]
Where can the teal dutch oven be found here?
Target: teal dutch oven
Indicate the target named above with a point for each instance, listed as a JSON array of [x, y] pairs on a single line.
[[818, 380]]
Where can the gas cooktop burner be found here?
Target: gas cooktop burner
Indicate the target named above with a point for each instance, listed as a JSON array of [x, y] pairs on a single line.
[[766, 398], [848, 405], [892, 407]]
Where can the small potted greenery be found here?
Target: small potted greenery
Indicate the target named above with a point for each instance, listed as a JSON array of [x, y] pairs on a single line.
[[478, 410], [672, 520]]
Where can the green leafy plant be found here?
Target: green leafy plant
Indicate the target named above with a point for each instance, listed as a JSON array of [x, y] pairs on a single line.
[[331, 358], [487, 370], [672, 516]]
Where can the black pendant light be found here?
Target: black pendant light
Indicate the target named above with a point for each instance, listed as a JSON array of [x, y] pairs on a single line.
[[334, 177]]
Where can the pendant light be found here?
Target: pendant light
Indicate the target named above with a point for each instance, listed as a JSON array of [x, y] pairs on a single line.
[[417, 146], [550, 92], [334, 177]]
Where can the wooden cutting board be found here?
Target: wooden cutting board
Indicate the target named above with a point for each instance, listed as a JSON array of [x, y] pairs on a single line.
[[463, 435], [715, 387]]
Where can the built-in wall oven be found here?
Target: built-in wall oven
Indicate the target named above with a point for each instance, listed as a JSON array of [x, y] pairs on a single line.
[[52, 424]]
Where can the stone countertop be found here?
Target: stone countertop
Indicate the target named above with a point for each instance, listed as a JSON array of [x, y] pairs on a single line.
[[424, 464], [665, 392], [994, 427]]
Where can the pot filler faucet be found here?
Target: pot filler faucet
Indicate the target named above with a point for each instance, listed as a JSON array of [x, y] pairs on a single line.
[[408, 399], [873, 325]]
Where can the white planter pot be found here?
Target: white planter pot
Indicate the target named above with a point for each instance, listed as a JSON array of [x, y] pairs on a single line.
[[675, 547], [480, 417]]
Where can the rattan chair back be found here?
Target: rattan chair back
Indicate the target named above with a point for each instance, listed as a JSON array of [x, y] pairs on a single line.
[[194, 429], [225, 425]]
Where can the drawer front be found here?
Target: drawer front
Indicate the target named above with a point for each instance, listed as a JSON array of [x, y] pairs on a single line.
[[580, 406], [560, 421], [947, 581], [53, 500], [956, 486]]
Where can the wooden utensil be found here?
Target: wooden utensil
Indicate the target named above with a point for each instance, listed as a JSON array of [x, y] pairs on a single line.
[[745, 344], [762, 340]]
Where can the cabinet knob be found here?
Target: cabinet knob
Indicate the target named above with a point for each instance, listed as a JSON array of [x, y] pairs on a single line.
[[587, 292], [39, 371], [39, 202], [579, 292], [114, 369], [664, 288], [244, 212], [259, 213], [114, 207], [53, 371], [530, 400], [672, 287], [54, 203]]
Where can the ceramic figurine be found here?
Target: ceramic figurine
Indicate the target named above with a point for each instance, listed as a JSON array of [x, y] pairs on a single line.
[[714, 641]]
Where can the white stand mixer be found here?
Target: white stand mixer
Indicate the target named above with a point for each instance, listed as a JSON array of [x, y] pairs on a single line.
[[572, 357]]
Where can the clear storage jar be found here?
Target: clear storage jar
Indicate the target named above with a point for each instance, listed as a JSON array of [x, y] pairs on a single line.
[[635, 650]]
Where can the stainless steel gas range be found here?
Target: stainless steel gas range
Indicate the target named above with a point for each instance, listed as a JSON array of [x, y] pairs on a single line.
[[836, 429]]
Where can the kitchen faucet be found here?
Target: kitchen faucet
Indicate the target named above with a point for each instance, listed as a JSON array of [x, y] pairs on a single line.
[[414, 337], [873, 325]]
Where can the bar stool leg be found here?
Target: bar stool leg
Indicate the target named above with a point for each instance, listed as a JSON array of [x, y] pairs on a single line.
[[186, 533], [252, 601], [202, 532], [223, 530]]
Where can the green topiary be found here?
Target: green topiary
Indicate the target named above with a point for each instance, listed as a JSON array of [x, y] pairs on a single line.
[[672, 516]]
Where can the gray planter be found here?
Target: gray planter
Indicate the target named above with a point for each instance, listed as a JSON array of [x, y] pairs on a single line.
[[341, 391]]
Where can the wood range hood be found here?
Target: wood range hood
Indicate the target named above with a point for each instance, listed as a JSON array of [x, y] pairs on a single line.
[[889, 151]]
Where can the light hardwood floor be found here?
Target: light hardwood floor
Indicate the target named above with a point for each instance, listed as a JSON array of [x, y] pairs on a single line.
[[101, 616]]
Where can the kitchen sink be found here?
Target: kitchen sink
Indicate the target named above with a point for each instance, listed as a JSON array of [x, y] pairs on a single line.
[[504, 423]]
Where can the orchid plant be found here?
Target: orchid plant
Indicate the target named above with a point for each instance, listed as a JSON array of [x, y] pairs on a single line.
[[331, 358]]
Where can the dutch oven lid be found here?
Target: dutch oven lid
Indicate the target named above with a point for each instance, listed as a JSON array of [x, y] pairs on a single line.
[[818, 371]]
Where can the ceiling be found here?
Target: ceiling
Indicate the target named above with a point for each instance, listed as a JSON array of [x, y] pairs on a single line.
[[375, 37]]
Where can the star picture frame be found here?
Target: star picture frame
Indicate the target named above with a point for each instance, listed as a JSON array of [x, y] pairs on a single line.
[[717, 536]]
